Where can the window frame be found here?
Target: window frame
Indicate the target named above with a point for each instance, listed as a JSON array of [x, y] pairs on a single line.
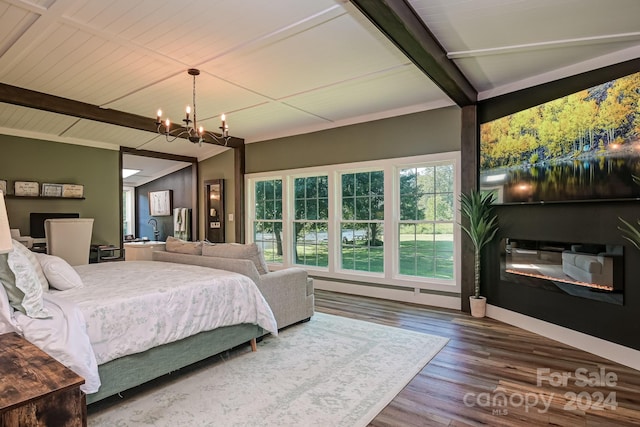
[[398, 221], [293, 220], [391, 168]]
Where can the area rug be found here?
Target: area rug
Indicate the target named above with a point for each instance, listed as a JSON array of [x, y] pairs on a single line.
[[330, 371]]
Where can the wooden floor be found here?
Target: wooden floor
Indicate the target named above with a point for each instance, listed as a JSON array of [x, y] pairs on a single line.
[[487, 374]]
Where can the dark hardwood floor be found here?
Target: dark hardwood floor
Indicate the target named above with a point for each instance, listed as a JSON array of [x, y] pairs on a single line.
[[488, 372]]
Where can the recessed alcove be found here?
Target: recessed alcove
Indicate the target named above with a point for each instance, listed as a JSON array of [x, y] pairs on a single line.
[[592, 271]]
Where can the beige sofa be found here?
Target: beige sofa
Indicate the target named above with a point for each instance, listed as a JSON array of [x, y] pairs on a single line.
[[289, 292], [591, 263]]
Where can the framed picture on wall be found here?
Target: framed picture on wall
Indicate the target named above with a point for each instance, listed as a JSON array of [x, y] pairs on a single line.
[[51, 190], [160, 202]]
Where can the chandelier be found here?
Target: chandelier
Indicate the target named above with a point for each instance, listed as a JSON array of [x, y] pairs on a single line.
[[190, 130]]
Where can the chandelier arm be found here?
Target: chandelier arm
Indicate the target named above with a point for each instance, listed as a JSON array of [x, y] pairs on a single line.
[[218, 138]]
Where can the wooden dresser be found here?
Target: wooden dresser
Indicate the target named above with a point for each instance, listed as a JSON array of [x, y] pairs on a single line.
[[37, 390]]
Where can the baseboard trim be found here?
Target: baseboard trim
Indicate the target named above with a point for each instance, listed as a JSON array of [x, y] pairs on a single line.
[[415, 296], [615, 352]]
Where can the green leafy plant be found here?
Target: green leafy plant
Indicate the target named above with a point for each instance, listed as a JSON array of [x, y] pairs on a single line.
[[630, 232], [483, 226]]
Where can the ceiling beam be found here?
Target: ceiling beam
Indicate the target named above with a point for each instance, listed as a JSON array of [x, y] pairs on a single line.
[[55, 104], [399, 22]]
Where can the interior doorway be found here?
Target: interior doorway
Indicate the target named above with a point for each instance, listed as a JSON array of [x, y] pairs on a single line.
[[145, 172]]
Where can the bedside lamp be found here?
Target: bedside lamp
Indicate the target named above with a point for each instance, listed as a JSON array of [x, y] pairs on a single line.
[[5, 233]]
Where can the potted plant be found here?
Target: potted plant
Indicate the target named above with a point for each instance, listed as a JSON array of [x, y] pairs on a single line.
[[483, 225], [630, 232]]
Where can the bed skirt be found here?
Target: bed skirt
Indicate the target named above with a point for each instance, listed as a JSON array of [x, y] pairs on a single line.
[[130, 371]]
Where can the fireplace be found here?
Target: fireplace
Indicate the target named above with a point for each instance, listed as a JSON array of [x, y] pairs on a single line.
[[593, 271]]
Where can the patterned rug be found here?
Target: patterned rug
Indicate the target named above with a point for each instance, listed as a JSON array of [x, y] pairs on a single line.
[[330, 371]]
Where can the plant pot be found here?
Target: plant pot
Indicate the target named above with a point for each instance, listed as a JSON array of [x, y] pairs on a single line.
[[478, 306]]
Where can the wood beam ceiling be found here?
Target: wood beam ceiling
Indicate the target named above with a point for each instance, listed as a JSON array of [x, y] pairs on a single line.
[[55, 104], [399, 22]]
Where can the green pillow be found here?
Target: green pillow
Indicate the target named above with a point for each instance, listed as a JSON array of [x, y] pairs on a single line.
[[8, 280]]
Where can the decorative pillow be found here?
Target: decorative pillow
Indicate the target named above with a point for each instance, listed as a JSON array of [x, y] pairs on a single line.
[[31, 256], [8, 280], [7, 323], [250, 251], [59, 273], [183, 247], [26, 280]]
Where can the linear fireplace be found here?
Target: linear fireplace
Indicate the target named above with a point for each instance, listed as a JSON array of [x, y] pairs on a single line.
[[593, 271]]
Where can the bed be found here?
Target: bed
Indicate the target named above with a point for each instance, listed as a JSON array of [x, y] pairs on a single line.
[[134, 321]]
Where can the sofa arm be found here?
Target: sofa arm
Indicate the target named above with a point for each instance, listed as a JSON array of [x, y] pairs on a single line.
[[287, 292]]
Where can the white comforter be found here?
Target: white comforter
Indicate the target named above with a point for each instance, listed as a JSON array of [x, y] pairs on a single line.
[[129, 307]]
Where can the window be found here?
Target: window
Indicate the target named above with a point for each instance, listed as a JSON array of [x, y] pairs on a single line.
[[426, 221], [311, 233], [362, 225], [384, 222], [267, 225]]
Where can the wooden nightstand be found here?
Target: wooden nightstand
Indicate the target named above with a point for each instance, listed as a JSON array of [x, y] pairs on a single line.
[[37, 390]]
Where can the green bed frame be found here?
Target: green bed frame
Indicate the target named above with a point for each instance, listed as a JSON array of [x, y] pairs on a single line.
[[130, 371]]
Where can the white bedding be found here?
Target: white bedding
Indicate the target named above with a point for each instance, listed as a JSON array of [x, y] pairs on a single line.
[[129, 307]]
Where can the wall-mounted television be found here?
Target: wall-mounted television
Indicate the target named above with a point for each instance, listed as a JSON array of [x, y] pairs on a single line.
[[584, 146]]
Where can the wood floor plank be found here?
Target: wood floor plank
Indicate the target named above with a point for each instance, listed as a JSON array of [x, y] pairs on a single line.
[[485, 360]]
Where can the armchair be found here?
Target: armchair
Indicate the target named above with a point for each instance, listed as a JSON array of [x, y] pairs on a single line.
[[69, 239]]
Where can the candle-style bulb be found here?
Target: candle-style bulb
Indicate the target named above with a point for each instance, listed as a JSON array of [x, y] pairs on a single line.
[[223, 126], [159, 116], [200, 130], [167, 124]]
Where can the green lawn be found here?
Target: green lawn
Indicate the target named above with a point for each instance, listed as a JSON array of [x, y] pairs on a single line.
[[422, 258]]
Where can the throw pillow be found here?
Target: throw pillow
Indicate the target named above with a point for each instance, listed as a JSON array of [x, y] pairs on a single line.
[[31, 256], [8, 279], [249, 251], [26, 280], [183, 247], [59, 273], [7, 323]]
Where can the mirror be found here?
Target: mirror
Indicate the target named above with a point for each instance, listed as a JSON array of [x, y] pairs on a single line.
[[214, 210]]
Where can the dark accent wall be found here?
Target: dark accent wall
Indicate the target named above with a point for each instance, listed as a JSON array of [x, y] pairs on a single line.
[[586, 222], [53, 162], [180, 182], [580, 222]]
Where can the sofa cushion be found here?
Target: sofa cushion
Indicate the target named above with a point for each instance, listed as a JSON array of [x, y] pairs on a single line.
[[249, 251], [183, 247]]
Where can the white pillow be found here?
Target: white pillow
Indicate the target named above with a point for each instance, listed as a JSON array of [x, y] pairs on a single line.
[[59, 273], [26, 280], [31, 256]]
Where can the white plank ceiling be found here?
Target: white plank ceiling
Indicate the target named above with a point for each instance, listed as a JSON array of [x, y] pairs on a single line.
[[281, 67]]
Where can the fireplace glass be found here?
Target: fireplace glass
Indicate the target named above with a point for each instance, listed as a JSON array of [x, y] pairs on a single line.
[[593, 271]]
